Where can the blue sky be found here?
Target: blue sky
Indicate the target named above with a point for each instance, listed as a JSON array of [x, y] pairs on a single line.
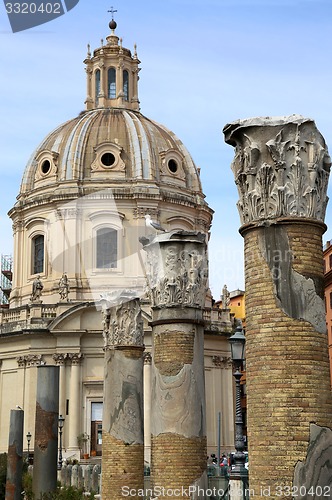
[[204, 64]]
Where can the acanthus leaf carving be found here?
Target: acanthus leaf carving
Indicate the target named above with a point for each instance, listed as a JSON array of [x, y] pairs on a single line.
[[281, 168], [122, 324], [177, 276]]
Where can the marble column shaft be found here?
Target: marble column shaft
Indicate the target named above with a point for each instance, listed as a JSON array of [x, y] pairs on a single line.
[[15, 456], [281, 169], [46, 431], [74, 401], [177, 274], [123, 438]]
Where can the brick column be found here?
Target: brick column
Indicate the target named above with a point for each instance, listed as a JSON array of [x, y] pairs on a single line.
[[123, 441], [177, 281], [281, 168]]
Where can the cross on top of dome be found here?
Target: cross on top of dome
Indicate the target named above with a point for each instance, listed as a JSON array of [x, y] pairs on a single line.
[[112, 24]]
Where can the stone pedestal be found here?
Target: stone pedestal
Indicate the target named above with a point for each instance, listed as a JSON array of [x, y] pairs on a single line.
[[281, 168], [123, 440], [177, 274]]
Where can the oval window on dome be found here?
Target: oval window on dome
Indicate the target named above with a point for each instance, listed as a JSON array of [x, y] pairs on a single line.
[[172, 165], [107, 159], [45, 166]]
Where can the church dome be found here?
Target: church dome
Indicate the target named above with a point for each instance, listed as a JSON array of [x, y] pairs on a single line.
[[88, 186], [109, 145]]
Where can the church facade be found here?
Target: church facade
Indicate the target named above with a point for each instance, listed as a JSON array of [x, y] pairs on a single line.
[[77, 221]]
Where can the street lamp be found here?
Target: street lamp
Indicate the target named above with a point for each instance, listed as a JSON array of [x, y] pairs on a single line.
[[61, 421], [237, 342], [29, 436]]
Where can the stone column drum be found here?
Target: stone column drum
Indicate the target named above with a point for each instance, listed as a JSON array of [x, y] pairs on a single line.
[[123, 438], [177, 274], [281, 169]]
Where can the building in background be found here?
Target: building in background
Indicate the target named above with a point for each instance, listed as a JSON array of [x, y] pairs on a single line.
[[77, 221], [327, 255], [5, 279]]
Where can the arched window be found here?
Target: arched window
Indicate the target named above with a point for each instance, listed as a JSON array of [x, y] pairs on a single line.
[[126, 85], [107, 248], [111, 83], [97, 85], [38, 254]]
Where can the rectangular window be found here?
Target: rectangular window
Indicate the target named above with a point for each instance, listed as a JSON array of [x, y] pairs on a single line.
[[107, 248], [330, 261], [330, 300], [38, 254]]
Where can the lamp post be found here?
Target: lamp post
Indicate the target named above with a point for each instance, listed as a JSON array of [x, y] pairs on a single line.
[[237, 342], [61, 421], [29, 436]]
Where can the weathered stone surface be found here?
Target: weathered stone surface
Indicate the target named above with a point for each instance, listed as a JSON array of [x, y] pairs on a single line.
[[122, 322], [124, 377], [313, 477], [177, 281], [123, 439], [177, 269], [46, 430], [295, 294], [281, 167], [15, 456]]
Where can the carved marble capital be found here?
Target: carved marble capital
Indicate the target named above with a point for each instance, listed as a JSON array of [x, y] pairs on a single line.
[[75, 357], [60, 358], [281, 168], [29, 360], [221, 361], [147, 358], [177, 270], [122, 323]]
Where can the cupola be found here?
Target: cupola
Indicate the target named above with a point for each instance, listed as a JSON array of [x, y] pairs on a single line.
[[112, 75]]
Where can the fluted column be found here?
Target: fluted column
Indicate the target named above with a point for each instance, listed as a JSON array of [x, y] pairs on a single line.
[[281, 168], [123, 441], [74, 401], [177, 274]]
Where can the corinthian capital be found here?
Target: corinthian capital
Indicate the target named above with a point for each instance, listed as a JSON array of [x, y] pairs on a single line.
[[177, 269], [281, 168], [122, 322]]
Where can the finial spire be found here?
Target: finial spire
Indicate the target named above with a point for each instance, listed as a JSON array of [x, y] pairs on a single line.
[[112, 24]]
